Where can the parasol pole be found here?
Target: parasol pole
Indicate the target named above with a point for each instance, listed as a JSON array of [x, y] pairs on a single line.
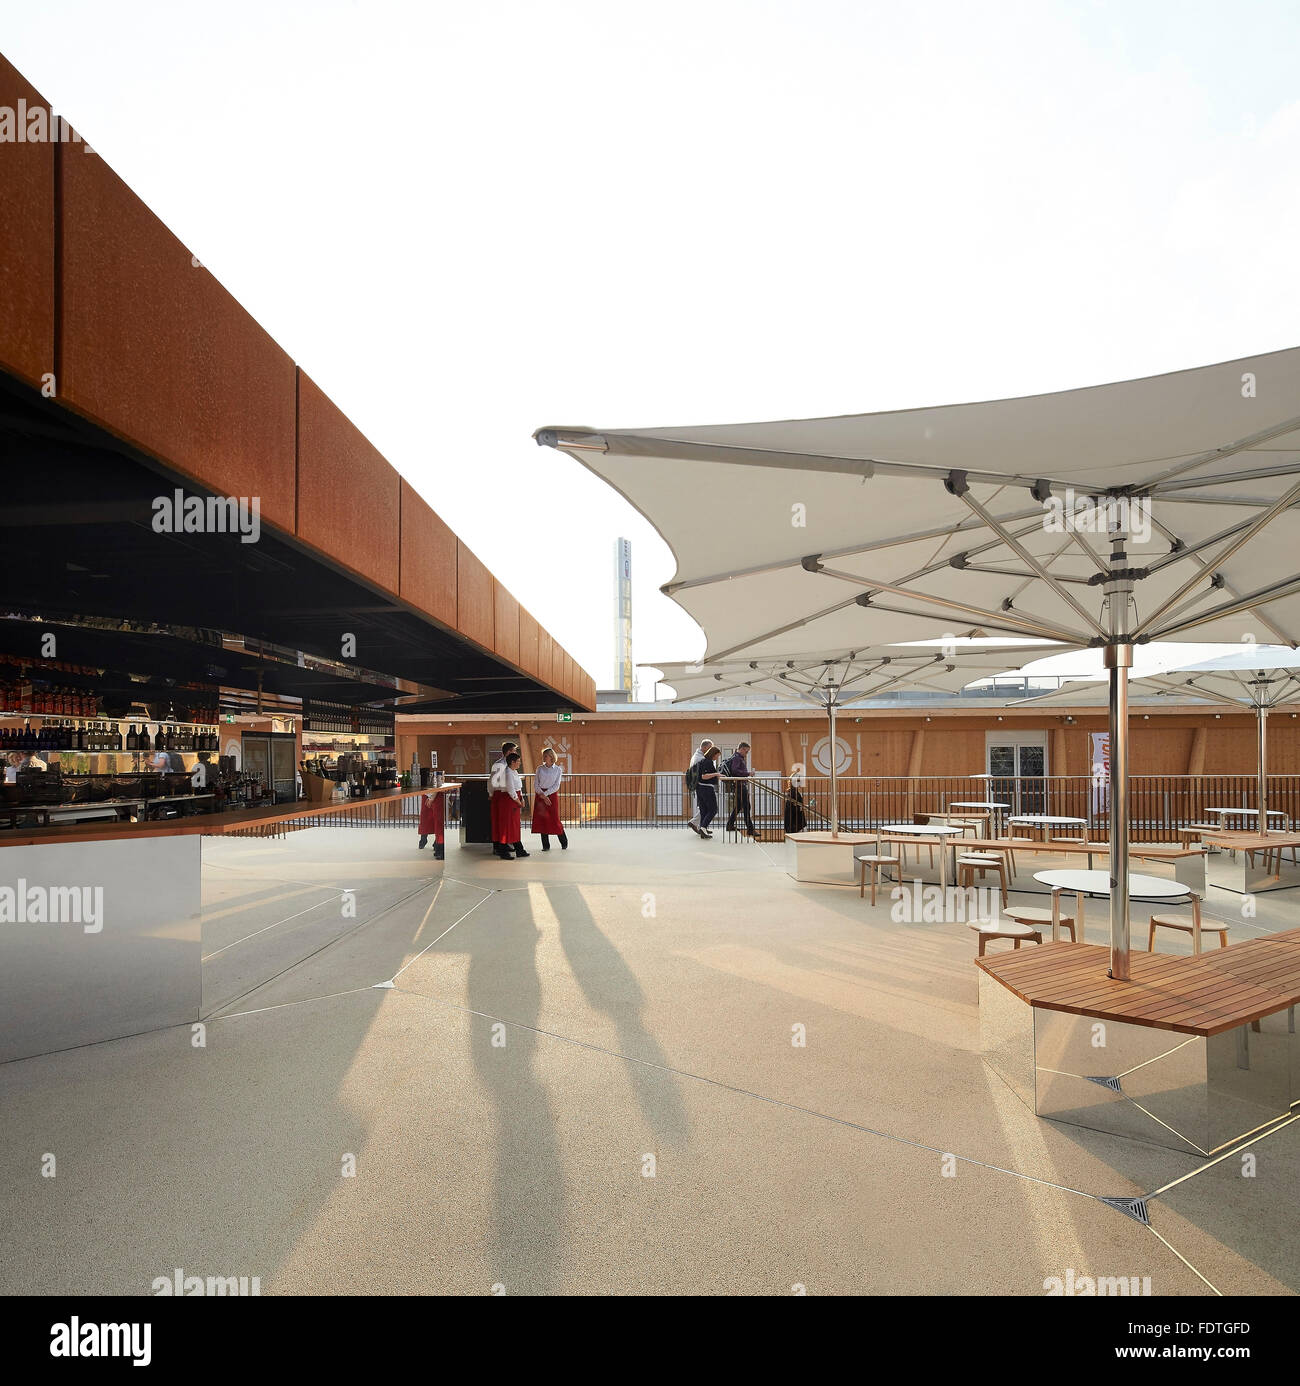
[[1261, 726], [835, 788], [1118, 659]]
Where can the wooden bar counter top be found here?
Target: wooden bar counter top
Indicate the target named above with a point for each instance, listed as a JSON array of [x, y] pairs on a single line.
[[209, 824]]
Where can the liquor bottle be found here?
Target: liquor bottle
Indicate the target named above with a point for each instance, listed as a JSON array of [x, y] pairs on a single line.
[[132, 739], [145, 743]]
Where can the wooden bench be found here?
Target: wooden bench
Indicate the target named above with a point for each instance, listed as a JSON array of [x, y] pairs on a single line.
[[1203, 994], [1082, 1048]]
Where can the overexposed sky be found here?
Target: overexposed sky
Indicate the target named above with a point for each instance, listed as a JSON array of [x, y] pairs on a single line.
[[467, 221]]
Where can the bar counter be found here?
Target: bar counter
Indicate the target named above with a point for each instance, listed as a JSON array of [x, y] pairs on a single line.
[[208, 824]]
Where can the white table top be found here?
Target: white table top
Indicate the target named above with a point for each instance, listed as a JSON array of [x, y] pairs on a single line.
[[1046, 819], [922, 829], [1098, 883], [1244, 812], [979, 803]]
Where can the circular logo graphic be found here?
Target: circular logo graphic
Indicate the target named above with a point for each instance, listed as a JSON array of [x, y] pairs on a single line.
[[821, 758]]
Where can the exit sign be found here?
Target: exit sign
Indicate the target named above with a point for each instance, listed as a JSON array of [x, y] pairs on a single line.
[[564, 717]]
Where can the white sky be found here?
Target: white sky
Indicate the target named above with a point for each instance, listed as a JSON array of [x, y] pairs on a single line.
[[469, 220]]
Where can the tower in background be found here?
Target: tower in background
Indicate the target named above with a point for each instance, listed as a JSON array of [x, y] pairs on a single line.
[[623, 615]]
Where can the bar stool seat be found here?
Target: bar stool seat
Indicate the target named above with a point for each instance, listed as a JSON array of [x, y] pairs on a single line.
[[1183, 926], [1035, 917], [874, 862], [995, 928], [968, 863]]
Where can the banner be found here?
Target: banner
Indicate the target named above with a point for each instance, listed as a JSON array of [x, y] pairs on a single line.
[[1100, 770]]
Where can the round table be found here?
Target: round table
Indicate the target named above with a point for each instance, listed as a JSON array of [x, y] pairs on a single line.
[[1083, 883], [987, 804], [920, 830], [1045, 821]]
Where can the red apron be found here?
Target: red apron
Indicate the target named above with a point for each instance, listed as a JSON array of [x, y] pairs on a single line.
[[546, 817], [507, 819], [433, 816]]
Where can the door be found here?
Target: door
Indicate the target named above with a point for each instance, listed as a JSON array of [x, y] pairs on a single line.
[[1017, 765]]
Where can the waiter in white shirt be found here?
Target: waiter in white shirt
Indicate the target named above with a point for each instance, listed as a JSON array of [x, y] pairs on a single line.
[[546, 801]]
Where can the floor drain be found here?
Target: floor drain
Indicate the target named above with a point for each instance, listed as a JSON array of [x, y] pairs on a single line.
[[1111, 1083], [1135, 1208]]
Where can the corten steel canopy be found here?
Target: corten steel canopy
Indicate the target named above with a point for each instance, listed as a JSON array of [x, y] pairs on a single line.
[[76, 540], [1106, 517], [128, 369], [848, 680]]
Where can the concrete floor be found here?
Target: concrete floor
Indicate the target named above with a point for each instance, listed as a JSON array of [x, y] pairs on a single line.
[[558, 1030]]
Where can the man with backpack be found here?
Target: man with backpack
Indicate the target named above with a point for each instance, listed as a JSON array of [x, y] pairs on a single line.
[[693, 783]]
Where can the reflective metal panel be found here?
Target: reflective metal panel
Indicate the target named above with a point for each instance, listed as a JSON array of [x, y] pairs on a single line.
[[1232, 871], [97, 940], [1007, 1037], [1191, 1094]]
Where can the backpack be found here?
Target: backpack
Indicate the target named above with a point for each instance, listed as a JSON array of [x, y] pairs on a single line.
[[693, 776]]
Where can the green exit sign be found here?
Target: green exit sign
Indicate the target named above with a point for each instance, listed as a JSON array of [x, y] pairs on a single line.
[[564, 717]]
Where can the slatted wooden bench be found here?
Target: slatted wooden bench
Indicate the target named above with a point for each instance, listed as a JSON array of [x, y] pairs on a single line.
[[1199, 995]]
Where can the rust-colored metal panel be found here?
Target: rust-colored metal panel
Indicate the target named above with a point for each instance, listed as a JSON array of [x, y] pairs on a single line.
[[27, 236], [506, 632], [475, 603], [348, 493], [155, 350], [428, 547], [528, 633]]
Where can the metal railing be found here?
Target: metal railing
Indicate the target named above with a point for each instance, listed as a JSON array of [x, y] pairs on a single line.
[[1160, 805]]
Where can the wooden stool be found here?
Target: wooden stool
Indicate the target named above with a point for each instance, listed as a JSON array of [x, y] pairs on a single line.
[[1184, 926], [1192, 833], [1033, 917], [875, 862], [971, 862], [1018, 933]]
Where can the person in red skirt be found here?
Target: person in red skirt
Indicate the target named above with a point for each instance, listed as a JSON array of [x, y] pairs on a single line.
[[546, 801], [433, 817], [494, 800], [508, 787]]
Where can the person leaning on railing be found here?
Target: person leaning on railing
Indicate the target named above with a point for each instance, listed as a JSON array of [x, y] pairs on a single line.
[[736, 769]]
